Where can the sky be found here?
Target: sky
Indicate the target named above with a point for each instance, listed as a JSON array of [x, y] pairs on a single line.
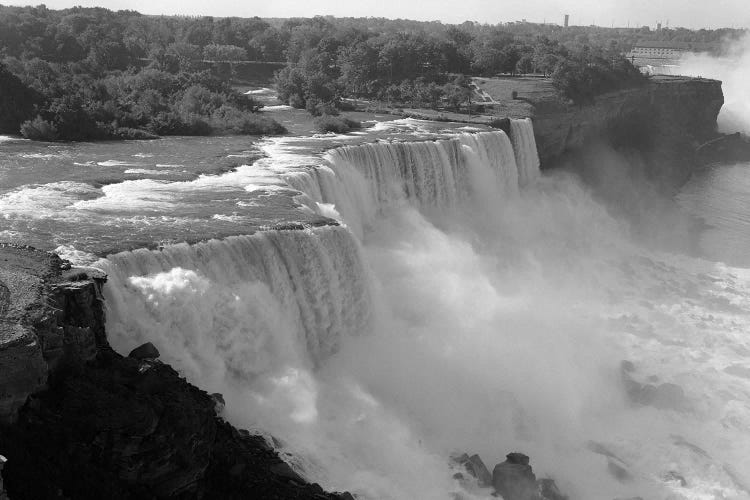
[[687, 13]]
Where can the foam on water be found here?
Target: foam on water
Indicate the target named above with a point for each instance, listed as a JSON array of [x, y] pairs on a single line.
[[44, 200]]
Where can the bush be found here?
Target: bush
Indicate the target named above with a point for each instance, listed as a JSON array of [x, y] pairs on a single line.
[[39, 129], [230, 120], [127, 133], [337, 124], [319, 108]]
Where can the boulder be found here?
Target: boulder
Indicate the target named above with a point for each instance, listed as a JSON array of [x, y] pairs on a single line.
[[145, 351], [514, 478]]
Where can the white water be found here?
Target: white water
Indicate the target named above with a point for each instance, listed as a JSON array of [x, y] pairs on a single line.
[[474, 306]]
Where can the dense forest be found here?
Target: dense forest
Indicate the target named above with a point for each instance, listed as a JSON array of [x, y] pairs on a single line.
[[86, 73], [80, 74]]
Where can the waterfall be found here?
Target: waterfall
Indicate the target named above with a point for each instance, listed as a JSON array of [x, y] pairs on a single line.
[[315, 278], [360, 181], [524, 147], [264, 319], [226, 289]]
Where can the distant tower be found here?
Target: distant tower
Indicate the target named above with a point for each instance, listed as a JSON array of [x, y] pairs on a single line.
[[658, 26], [567, 17]]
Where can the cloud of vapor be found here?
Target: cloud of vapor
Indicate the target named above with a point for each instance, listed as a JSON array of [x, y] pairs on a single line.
[[733, 69]]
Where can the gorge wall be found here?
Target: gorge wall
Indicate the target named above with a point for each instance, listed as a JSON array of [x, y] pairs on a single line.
[[665, 120]]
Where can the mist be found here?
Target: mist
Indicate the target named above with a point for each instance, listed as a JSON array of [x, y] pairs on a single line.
[[487, 323], [733, 69]]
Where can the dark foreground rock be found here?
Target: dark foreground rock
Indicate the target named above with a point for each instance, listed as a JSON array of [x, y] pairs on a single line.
[[78, 421], [122, 428]]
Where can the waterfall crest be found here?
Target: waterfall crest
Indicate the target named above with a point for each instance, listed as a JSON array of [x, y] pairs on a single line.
[[314, 278], [360, 181], [524, 146]]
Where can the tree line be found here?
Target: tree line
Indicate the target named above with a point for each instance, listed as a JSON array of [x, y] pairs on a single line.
[[95, 73]]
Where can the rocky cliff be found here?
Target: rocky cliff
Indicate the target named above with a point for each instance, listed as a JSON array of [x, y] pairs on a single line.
[[50, 317], [79, 421], [665, 120]]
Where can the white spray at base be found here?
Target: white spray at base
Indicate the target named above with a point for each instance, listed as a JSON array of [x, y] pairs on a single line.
[[475, 317]]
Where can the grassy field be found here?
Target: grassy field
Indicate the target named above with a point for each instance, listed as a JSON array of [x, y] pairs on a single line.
[[531, 92]]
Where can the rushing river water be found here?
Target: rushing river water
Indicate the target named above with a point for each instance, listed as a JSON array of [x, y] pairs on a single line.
[[467, 302]]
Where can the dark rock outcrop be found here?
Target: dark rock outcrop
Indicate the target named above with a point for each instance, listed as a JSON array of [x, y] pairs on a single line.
[[122, 428], [50, 318], [79, 421], [514, 479]]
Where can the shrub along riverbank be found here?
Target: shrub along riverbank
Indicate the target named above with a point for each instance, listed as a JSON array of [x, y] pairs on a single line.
[[53, 101]]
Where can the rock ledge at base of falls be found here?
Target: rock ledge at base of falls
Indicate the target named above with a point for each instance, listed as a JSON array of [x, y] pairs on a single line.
[[80, 421], [668, 118]]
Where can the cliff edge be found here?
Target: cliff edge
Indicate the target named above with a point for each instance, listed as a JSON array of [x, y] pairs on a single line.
[[665, 121], [79, 421]]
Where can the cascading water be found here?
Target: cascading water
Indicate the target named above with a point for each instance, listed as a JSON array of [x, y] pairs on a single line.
[[468, 304], [309, 286], [524, 146], [362, 180]]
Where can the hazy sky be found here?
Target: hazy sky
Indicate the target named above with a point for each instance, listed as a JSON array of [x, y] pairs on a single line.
[[688, 13]]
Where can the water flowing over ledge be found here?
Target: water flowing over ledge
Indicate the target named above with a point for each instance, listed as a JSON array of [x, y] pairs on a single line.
[[464, 303]]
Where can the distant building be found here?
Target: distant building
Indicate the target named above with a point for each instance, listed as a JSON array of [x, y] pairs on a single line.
[[567, 18], [651, 53]]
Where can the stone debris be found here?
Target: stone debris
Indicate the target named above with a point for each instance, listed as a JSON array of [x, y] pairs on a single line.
[[512, 479]]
